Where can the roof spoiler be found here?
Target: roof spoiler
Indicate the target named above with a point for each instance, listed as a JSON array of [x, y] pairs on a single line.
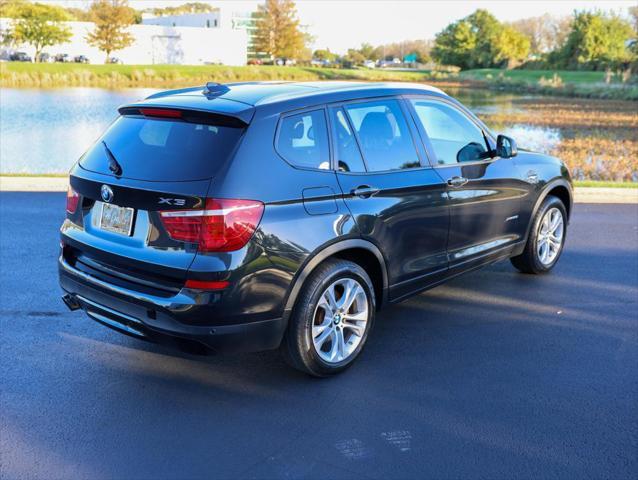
[[184, 114]]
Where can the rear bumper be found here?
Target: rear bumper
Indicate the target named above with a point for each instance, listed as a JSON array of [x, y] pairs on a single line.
[[154, 318]]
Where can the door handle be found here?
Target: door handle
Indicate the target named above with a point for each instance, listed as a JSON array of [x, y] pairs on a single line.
[[364, 191], [457, 181]]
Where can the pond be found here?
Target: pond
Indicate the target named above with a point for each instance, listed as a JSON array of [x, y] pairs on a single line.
[[45, 131]]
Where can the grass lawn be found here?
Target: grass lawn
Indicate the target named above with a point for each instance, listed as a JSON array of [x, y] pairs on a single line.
[[47, 75], [575, 77], [593, 183], [16, 74]]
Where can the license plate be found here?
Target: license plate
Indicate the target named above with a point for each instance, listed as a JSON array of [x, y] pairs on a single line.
[[116, 219]]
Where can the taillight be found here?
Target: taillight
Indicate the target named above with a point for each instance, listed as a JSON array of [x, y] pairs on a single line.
[[72, 199], [223, 225]]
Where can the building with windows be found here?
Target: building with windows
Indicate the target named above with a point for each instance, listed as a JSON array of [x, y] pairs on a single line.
[[221, 18], [197, 20]]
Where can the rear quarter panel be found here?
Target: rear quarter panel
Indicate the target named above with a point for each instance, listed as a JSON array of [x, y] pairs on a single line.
[[304, 212]]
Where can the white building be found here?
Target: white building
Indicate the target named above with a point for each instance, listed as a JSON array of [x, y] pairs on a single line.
[[223, 17], [201, 20], [156, 44]]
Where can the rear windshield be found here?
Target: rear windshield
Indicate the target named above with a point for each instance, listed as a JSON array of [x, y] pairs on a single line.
[[161, 149]]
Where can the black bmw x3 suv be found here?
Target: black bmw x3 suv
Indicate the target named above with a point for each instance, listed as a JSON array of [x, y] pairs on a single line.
[[253, 216]]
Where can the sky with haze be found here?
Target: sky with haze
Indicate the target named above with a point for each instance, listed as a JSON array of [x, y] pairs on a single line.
[[343, 24]]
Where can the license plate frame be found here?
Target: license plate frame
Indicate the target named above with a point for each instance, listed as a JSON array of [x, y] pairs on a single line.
[[116, 219]]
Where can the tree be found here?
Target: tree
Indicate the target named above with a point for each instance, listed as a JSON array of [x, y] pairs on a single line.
[[10, 8], [367, 51], [545, 33], [324, 55], [354, 57], [509, 47], [455, 45], [633, 13], [38, 25], [191, 7], [112, 19], [597, 41], [78, 14], [480, 41], [277, 30]]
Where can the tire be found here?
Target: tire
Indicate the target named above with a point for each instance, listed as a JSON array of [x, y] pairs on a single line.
[[322, 340], [534, 258]]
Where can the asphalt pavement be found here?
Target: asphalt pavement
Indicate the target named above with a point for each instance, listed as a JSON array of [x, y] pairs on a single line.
[[493, 375]]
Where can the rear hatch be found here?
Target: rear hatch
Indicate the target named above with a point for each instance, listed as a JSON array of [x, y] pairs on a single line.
[[149, 161]]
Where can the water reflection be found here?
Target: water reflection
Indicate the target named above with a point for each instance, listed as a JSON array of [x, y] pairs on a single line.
[[45, 131]]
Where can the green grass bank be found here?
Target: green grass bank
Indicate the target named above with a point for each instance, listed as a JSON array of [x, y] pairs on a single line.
[[546, 82]]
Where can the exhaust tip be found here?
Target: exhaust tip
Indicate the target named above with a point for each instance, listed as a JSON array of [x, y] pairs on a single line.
[[71, 302]]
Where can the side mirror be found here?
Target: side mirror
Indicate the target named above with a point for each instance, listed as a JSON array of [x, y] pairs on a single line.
[[506, 147]]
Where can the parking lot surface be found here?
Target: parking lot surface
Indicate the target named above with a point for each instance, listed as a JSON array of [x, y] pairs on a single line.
[[493, 375]]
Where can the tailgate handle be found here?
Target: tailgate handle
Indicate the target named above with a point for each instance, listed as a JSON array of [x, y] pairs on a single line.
[[364, 191]]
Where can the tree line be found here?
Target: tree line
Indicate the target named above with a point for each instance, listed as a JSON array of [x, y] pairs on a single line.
[[590, 40], [42, 25]]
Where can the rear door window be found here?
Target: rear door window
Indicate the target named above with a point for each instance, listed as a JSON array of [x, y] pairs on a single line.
[[302, 140], [384, 135], [163, 150]]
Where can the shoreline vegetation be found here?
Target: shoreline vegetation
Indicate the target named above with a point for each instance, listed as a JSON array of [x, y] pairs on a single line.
[[579, 84]]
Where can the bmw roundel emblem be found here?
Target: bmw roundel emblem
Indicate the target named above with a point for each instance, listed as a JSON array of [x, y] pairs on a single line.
[[106, 193]]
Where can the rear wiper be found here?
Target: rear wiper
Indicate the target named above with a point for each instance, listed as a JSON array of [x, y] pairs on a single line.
[[114, 166]]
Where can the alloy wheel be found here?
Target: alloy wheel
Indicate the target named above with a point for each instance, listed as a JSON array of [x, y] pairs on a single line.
[[550, 236], [340, 320]]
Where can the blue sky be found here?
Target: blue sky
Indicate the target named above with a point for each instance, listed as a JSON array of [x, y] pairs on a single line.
[[343, 24]]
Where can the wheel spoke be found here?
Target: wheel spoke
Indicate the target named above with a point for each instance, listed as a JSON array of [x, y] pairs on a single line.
[[322, 335], [544, 250], [333, 354], [360, 316], [556, 221], [341, 348], [328, 301], [352, 289], [355, 327]]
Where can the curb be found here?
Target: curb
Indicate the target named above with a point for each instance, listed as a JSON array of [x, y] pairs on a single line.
[[59, 184]]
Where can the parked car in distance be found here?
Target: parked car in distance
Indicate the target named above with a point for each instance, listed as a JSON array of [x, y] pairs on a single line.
[[81, 59], [19, 57], [62, 58], [257, 216], [113, 60], [44, 57]]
